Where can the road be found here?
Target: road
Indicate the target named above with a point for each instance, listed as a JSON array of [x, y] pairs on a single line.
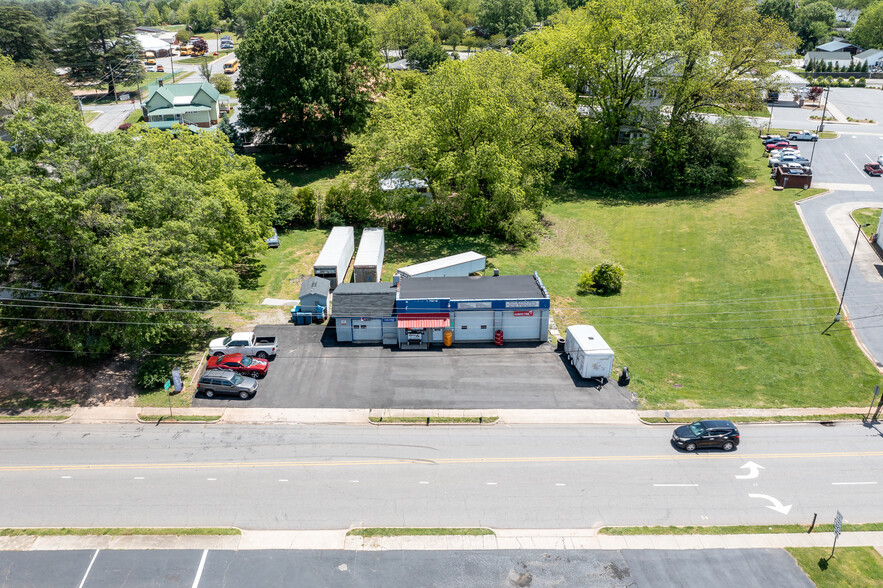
[[333, 477]]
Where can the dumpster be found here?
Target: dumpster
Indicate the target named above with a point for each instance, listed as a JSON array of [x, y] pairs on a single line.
[[794, 177]]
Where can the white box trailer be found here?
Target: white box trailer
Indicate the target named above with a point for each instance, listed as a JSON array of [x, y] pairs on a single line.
[[369, 259], [335, 257], [462, 264], [588, 352]]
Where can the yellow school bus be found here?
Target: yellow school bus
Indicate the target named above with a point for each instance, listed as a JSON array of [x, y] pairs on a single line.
[[186, 49], [231, 66]]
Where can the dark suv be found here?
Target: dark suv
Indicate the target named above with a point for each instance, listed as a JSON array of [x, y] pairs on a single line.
[[704, 434], [226, 382]]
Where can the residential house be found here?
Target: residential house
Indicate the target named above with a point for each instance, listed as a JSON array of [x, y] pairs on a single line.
[[194, 105], [838, 46], [849, 15], [871, 57], [840, 58]]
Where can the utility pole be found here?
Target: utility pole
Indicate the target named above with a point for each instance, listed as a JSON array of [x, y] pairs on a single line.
[[82, 112], [825, 110], [846, 281], [114, 84]]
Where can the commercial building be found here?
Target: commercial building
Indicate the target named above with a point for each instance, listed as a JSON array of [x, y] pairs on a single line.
[[365, 312], [473, 308]]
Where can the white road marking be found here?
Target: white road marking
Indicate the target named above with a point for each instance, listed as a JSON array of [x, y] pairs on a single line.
[[776, 505], [423, 482], [65, 477], [283, 480], [212, 479], [491, 483], [86, 575], [675, 485], [199, 569], [852, 483], [559, 484], [753, 471], [354, 481], [854, 137], [139, 477], [857, 168]]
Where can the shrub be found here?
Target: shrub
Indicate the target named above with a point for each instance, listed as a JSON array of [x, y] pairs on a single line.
[[222, 83], [125, 126], [182, 36], [308, 200], [345, 204], [604, 280], [851, 80], [521, 229], [860, 83], [155, 370], [285, 201]]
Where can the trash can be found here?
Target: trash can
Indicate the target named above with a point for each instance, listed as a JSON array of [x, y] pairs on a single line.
[[624, 377]]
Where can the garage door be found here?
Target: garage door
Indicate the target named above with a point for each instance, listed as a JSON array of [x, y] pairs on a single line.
[[473, 325], [522, 325], [367, 330]]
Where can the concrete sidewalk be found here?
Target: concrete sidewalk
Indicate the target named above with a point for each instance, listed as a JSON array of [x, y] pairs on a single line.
[[552, 539]]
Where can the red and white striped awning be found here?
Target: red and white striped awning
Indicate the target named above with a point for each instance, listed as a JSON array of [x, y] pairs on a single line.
[[433, 320]]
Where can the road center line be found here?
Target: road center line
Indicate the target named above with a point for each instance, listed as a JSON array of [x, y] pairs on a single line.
[[675, 485], [852, 483], [199, 569], [434, 462], [86, 575]]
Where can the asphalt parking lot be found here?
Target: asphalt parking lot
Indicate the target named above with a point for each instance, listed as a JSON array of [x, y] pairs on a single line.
[[313, 371], [220, 569]]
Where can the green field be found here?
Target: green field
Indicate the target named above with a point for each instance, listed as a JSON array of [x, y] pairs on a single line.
[[724, 299], [851, 567], [867, 216]]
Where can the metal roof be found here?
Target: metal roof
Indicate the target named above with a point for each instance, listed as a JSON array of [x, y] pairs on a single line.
[[471, 288], [367, 299], [588, 338], [315, 285], [834, 46], [434, 320], [331, 251], [369, 247], [443, 262]]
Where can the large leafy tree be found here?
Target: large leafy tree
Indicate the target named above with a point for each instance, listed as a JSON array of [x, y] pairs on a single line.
[[158, 216], [868, 30], [784, 10], [23, 36], [98, 46], [248, 14], [202, 15], [508, 17], [21, 85], [486, 133], [813, 22], [308, 74], [400, 27]]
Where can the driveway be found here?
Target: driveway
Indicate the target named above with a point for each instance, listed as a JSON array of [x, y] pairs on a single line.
[[313, 371]]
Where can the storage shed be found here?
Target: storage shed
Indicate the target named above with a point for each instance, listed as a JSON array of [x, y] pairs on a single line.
[[462, 264], [369, 259], [588, 352], [313, 303], [335, 257], [365, 312], [474, 308]]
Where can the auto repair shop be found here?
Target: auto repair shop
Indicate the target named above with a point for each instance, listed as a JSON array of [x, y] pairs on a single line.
[[365, 312], [473, 308]]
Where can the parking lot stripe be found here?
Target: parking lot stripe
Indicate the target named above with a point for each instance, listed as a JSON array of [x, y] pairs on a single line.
[[675, 485], [560, 484], [199, 569], [423, 482], [491, 483], [854, 165], [852, 483], [86, 575]]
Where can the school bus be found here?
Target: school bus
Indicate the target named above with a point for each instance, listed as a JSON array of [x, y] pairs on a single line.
[[185, 49], [231, 66], [149, 58]]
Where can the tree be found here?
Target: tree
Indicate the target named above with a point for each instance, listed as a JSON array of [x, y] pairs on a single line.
[[205, 70], [426, 54], [21, 86], [248, 14], [23, 36], [182, 36], [868, 30], [546, 8], [813, 22], [222, 83], [726, 52], [159, 218], [309, 72], [99, 46], [784, 10], [202, 15], [612, 51], [509, 17], [401, 26], [485, 133], [152, 17], [135, 12], [605, 279], [226, 127]]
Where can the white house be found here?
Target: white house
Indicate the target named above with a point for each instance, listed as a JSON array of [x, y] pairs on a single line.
[[849, 15], [840, 58], [871, 57]]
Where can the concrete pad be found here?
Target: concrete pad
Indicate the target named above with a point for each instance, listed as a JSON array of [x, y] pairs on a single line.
[[279, 302], [617, 542], [71, 542], [321, 539], [296, 415], [639, 541], [105, 414], [710, 541], [575, 416], [844, 187], [21, 543]]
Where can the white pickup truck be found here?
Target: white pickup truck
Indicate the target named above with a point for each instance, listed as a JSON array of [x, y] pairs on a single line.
[[245, 343], [802, 136]]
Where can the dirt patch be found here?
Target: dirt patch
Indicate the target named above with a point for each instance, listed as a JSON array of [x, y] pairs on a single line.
[[38, 379]]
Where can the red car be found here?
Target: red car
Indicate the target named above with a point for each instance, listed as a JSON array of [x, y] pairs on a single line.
[[248, 366], [780, 145], [874, 169]]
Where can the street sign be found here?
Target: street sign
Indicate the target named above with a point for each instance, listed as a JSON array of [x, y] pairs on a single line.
[[838, 520], [176, 378], [168, 385]]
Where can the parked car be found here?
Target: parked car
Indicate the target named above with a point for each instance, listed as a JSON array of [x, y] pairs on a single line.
[[776, 161], [150, 68], [874, 169], [785, 151], [245, 343], [803, 136], [273, 241], [214, 382], [766, 138], [160, 68], [247, 366], [779, 145], [706, 434]]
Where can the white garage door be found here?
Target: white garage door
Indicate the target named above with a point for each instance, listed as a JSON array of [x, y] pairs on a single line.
[[367, 330], [473, 325], [523, 326]]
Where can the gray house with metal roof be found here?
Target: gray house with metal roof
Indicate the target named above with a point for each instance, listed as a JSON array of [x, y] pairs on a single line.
[[364, 312]]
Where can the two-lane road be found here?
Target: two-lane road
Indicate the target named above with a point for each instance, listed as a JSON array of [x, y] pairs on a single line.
[[323, 477]]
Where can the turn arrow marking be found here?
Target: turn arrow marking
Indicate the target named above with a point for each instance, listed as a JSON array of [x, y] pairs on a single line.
[[753, 471], [776, 505]]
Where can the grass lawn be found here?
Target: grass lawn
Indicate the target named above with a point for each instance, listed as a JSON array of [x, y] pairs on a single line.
[[767, 419], [187, 418], [853, 567], [284, 167], [118, 531], [868, 216], [736, 529], [136, 116], [207, 58], [724, 297], [399, 532], [90, 115]]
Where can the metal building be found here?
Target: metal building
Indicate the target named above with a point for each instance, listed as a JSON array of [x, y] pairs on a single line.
[[313, 303], [474, 308], [369, 259], [462, 264], [335, 257], [365, 312]]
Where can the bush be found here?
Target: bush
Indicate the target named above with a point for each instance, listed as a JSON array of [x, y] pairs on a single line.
[[182, 36], [521, 229], [426, 54], [346, 205], [294, 208], [851, 80], [308, 200], [222, 83], [604, 280], [155, 370], [860, 83]]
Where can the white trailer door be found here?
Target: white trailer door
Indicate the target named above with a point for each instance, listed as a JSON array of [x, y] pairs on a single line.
[[522, 325], [368, 330], [473, 325]]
